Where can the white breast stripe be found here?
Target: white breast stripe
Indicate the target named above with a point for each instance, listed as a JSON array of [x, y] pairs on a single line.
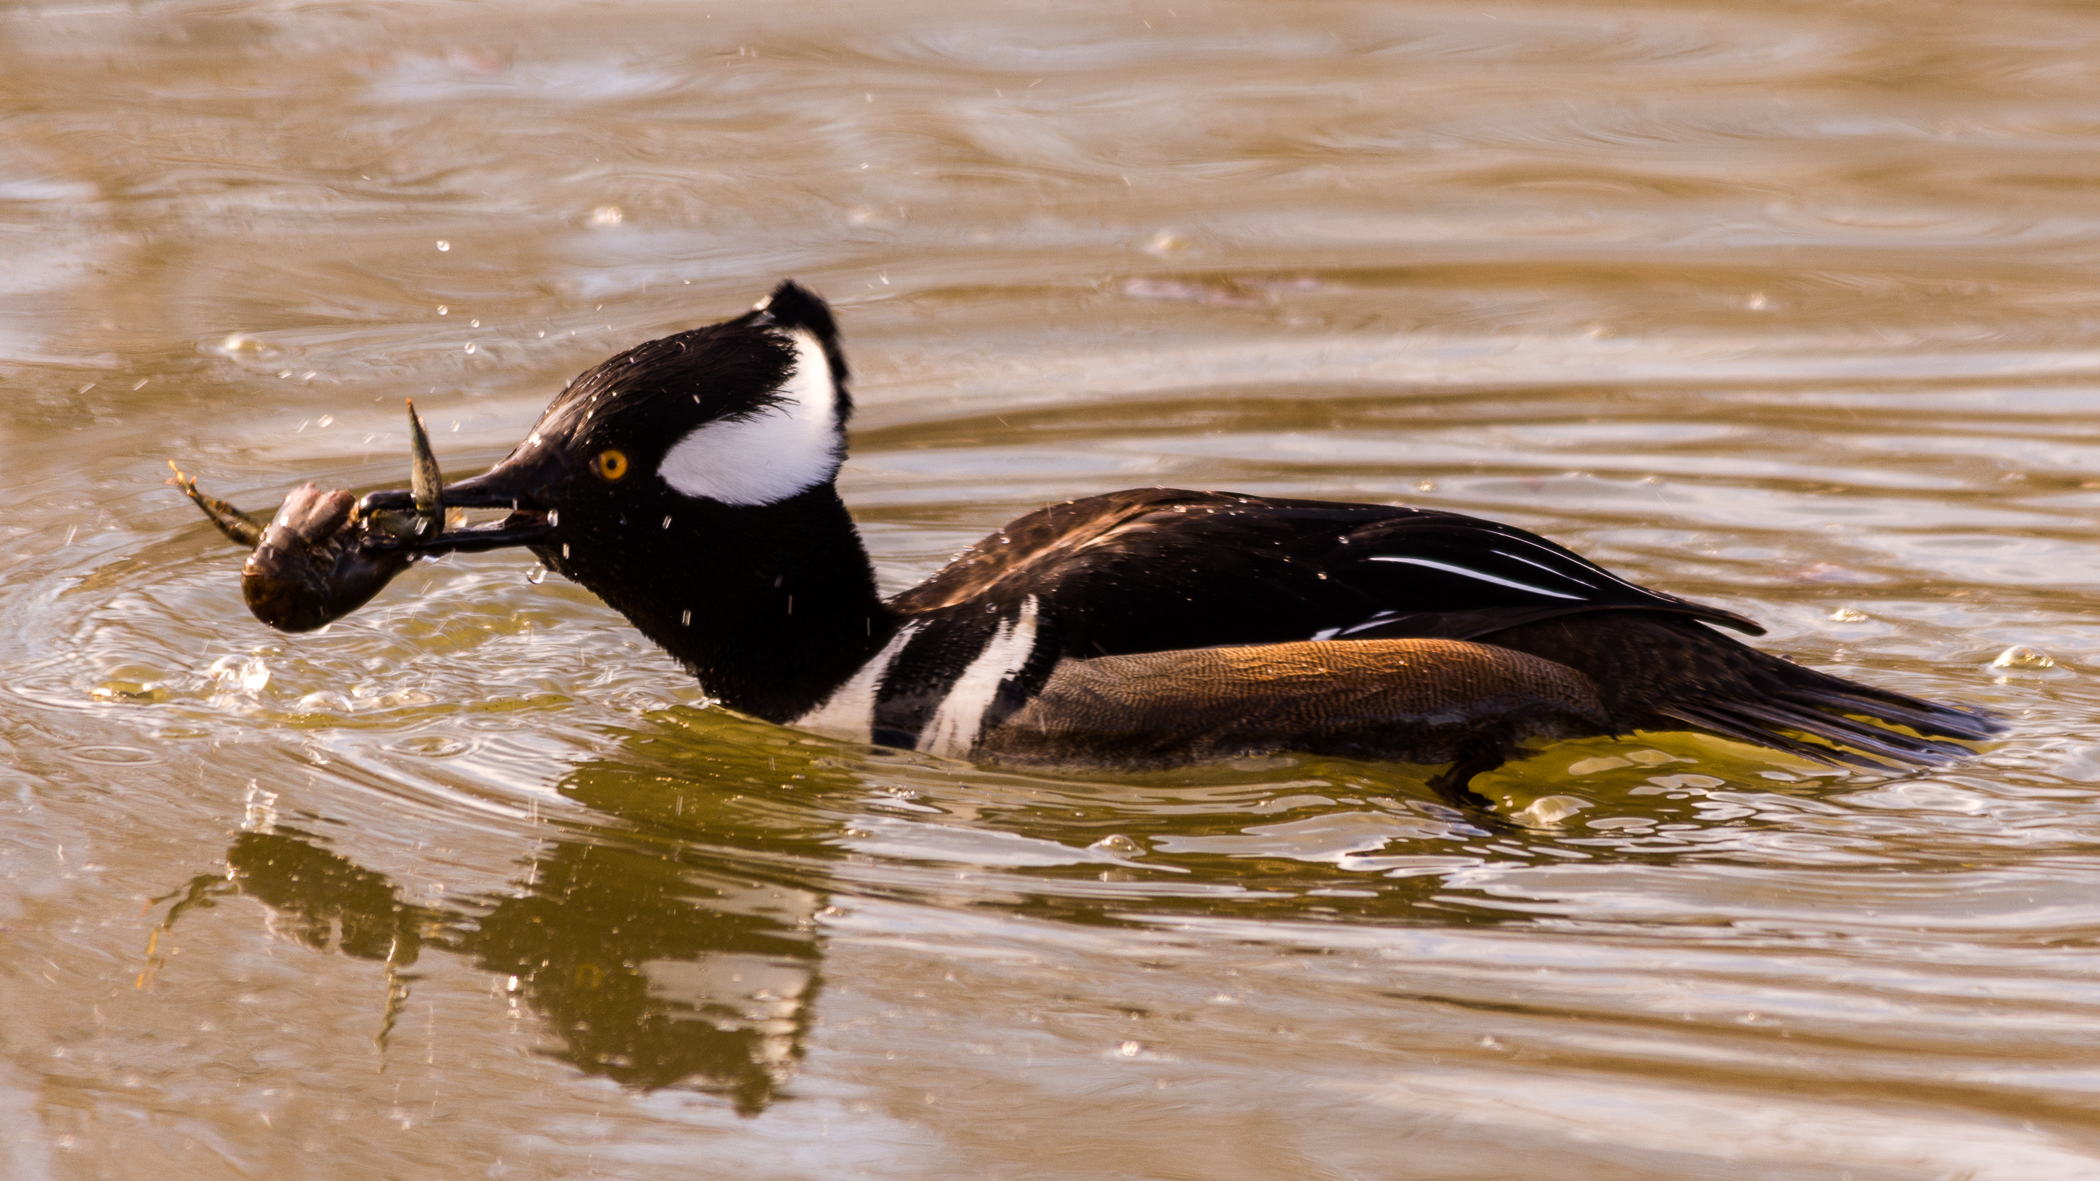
[[957, 723], [849, 712], [773, 454], [1461, 570]]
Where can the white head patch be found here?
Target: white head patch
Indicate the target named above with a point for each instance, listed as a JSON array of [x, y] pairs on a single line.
[[783, 449]]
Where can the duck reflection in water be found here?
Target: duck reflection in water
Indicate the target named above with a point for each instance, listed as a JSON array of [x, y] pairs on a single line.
[[653, 974]]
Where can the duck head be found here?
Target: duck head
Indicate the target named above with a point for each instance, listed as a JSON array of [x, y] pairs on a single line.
[[688, 482]]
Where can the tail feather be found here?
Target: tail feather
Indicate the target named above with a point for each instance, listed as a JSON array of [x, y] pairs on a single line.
[[1922, 716], [1658, 671], [1889, 744], [1744, 730]]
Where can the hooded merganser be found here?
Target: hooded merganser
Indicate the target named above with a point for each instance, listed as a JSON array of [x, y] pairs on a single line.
[[689, 482]]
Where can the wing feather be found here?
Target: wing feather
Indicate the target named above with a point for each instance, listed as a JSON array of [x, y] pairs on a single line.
[[1156, 570]]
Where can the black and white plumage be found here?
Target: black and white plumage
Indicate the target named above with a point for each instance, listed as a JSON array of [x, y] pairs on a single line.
[[690, 483]]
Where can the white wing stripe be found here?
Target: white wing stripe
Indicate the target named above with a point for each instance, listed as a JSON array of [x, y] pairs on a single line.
[[1374, 621], [1546, 568], [1461, 570], [1535, 544]]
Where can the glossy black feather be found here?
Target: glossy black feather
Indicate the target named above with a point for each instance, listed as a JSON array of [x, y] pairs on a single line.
[[1152, 569]]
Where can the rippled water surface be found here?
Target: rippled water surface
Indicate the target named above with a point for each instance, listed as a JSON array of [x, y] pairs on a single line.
[[1789, 308]]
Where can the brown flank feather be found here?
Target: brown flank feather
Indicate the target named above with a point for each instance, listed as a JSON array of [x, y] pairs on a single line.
[[1417, 701]]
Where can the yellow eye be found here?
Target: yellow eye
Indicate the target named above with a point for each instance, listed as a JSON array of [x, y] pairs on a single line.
[[609, 466]]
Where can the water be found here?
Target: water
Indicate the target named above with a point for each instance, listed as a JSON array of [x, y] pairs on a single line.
[[1785, 308]]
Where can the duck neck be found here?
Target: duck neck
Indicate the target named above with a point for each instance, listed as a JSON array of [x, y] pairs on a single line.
[[771, 607]]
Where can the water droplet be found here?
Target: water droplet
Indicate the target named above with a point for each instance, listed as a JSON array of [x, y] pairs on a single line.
[[1130, 1049], [473, 323], [606, 215], [325, 420], [443, 310], [231, 673], [685, 618], [667, 522], [536, 575], [443, 245], [470, 346], [2021, 656]]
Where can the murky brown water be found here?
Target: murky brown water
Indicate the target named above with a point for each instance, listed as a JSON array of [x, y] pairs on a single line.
[[1790, 308]]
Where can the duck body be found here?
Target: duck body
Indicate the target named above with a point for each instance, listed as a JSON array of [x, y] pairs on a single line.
[[689, 482]]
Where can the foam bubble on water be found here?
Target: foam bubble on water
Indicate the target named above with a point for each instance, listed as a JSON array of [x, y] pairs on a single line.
[[1167, 241], [324, 701], [2021, 656], [1549, 811], [125, 690], [1656, 758], [240, 344], [1118, 845]]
